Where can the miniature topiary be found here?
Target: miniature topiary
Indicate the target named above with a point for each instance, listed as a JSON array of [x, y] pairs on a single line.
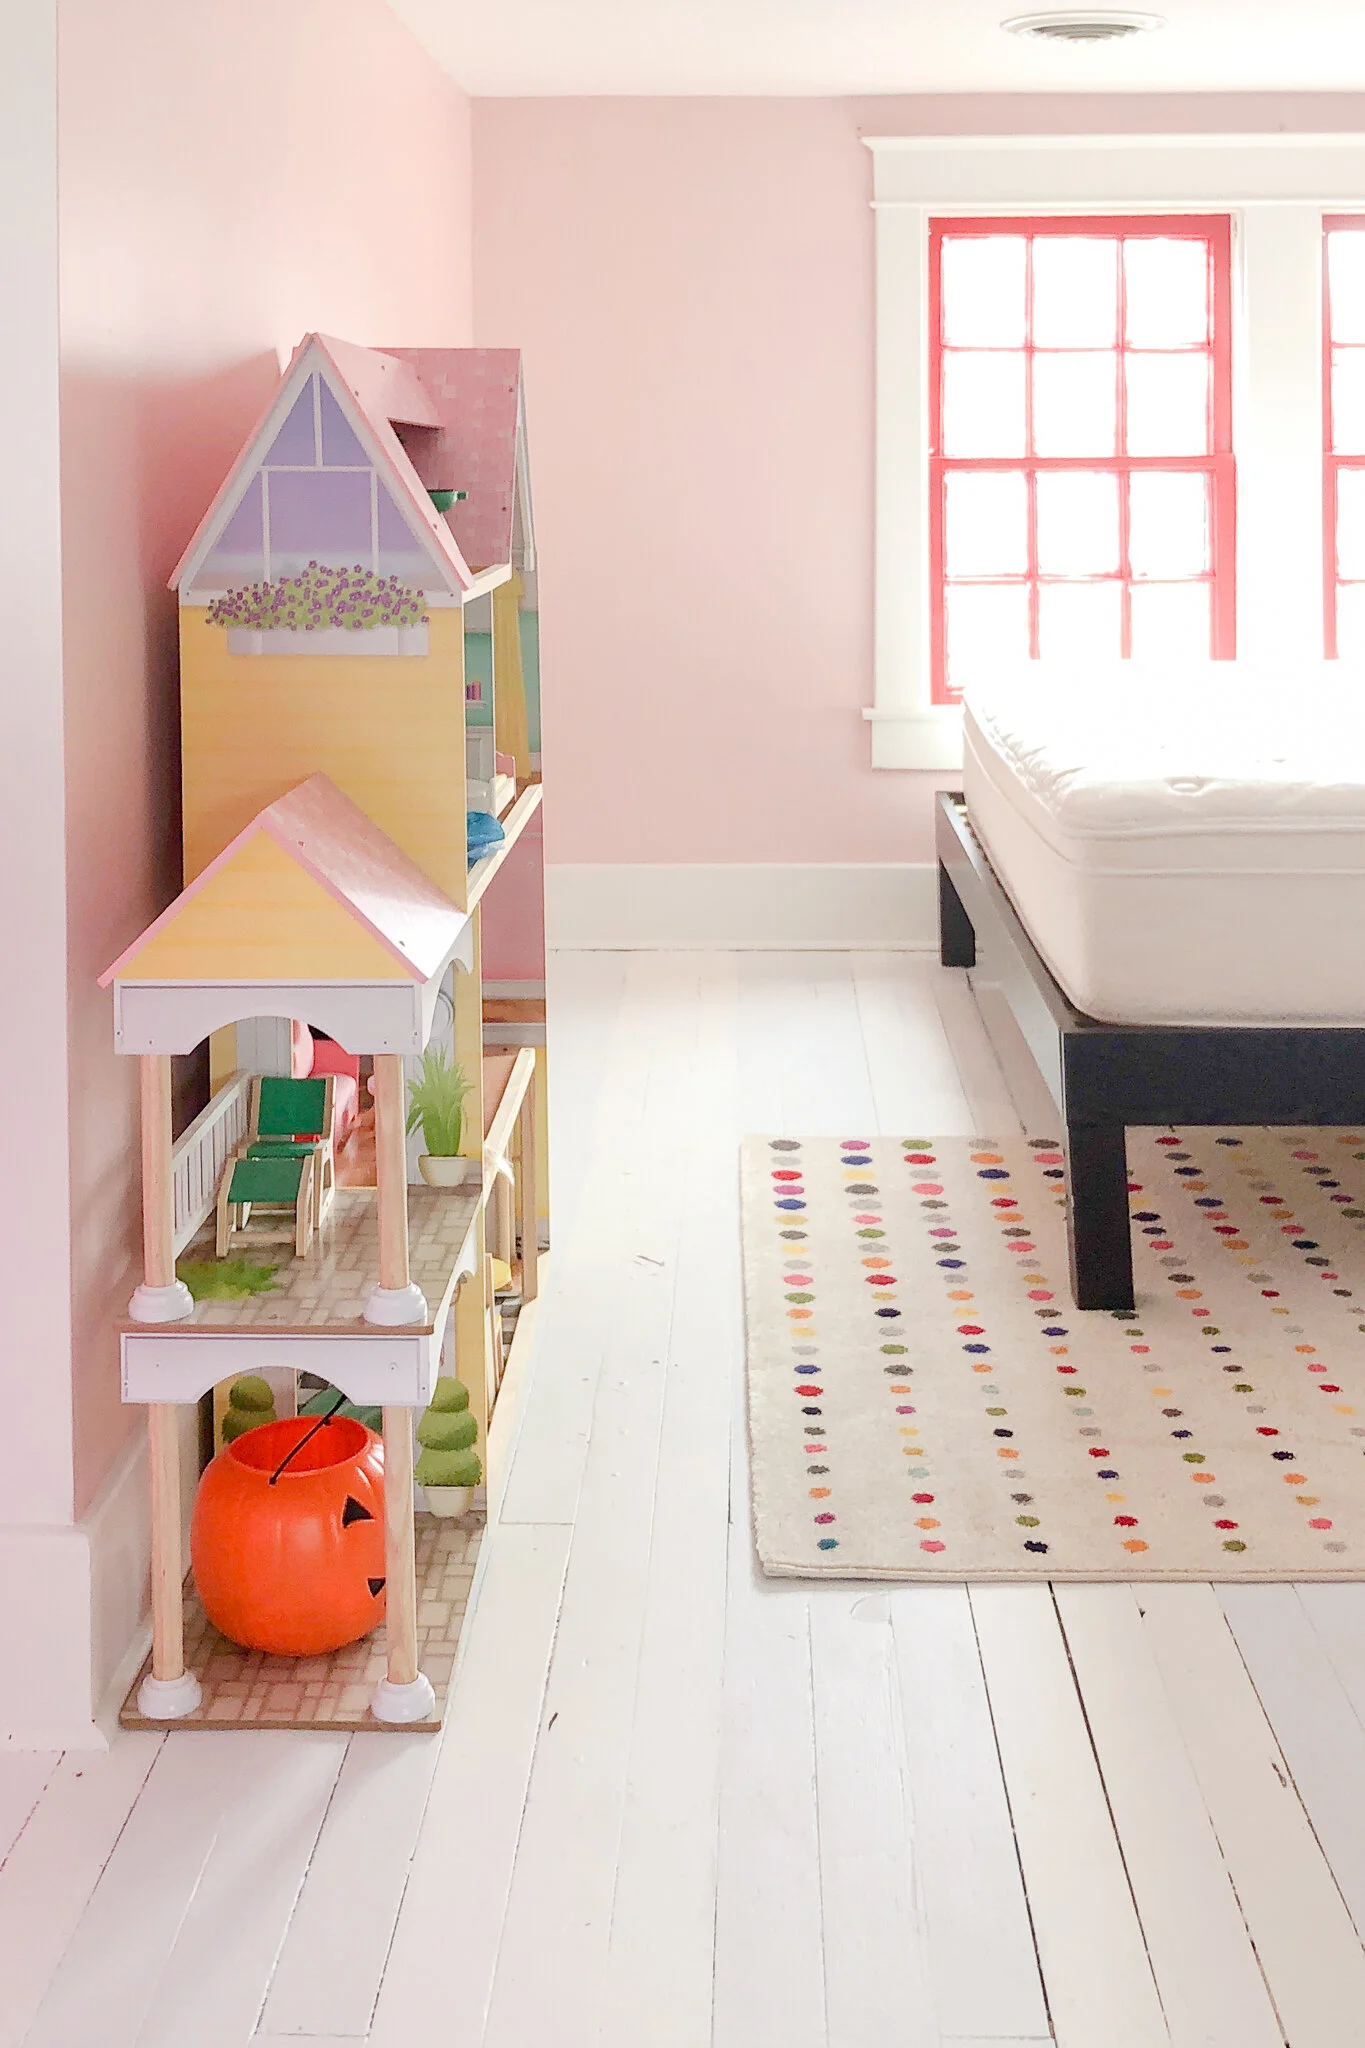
[[251, 1401], [451, 1397], [437, 1432], [449, 1468], [447, 1434]]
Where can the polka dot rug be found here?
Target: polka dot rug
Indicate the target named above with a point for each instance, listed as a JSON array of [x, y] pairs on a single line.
[[925, 1402]]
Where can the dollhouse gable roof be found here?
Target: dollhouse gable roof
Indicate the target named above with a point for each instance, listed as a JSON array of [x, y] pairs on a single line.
[[310, 891], [481, 447], [325, 477]]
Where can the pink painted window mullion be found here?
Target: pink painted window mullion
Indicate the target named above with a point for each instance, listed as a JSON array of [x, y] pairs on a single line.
[[1343, 436]]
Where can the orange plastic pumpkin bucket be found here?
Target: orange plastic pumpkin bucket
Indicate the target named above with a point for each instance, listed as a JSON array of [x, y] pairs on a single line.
[[287, 1540]]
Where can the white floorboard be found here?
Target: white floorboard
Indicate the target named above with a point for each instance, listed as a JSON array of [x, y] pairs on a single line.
[[677, 1805], [965, 1850], [1205, 1967], [54, 1867], [1090, 1940]]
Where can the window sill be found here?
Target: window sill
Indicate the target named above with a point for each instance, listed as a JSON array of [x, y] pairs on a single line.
[[917, 739]]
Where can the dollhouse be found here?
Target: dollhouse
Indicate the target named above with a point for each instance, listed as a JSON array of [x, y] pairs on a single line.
[[338, 750]]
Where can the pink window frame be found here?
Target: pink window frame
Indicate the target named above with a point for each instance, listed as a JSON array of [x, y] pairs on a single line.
[[1332, 463], [1215, 230]]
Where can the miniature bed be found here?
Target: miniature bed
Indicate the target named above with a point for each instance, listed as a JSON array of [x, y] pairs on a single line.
[[1167, 874]]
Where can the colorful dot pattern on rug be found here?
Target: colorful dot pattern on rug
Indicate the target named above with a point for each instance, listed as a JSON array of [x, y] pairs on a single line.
[[925, 1402]]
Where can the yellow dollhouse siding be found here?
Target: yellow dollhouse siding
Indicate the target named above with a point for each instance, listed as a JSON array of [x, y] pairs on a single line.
[[263, 918], [387, 729]]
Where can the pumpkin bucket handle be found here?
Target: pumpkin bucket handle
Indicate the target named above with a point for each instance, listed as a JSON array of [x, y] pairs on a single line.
[[307, 1437]]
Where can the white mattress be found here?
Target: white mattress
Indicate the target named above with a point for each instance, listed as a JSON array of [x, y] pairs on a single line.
[[1182, 847]]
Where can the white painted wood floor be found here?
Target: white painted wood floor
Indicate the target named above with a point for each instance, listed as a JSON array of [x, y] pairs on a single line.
[[676, 1805]]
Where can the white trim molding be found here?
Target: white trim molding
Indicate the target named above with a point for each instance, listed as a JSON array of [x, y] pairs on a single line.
[[1277, 188], [750, 906]]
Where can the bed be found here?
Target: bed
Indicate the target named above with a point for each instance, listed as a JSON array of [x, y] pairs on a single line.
[[1167, 871]]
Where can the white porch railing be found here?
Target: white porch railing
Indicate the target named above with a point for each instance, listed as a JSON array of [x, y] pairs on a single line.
[[201, 1153]]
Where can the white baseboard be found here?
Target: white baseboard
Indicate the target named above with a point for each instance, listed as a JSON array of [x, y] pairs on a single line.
[[817, 907], [75, 1608]]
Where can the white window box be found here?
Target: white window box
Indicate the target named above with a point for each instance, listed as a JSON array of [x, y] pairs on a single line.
[[328, 640], [1277, 189]]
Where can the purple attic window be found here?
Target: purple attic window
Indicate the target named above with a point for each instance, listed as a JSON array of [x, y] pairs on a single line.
[[399, 553], [323, 516], [339, 444], [238, 553], [296, 441]]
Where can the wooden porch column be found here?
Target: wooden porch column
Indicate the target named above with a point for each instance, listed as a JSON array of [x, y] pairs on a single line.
[[395, 1302], [171, 1691], [403, 1694]]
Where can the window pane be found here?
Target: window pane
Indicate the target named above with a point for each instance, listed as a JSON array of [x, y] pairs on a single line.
[[1079, 621], [987, 628], [983, 404], [1166, 289], [319, 515], [1346, 283], [1168, 404], [1351, 622], [1348, 401], [1351, 522], [986, 524], [1171, 619], [1075, 291], [1074, 404], [1078, 523], [1168, 524], [982, 282]]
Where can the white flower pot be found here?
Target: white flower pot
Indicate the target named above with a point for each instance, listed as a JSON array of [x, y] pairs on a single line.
[[448, 1500], [439, 1170], [328, 640]]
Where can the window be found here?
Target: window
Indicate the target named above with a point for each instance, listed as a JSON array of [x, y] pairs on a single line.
[[1268, 196], [1343, 412], [1081, 484]]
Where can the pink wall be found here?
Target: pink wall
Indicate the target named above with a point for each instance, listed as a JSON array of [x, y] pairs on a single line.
[[232, 173], [692, 283]]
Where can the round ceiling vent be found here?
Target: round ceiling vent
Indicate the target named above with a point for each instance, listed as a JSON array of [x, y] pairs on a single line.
[[1077, 27]]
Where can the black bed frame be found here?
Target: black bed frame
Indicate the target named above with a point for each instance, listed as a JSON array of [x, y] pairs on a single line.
[[1104, 1077]]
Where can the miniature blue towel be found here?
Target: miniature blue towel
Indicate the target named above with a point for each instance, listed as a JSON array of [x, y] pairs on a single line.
[[483, 833]]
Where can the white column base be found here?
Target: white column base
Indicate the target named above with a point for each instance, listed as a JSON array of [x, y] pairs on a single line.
[[168, 1699], [161, 1304], [393, 1308], [399, 1703]]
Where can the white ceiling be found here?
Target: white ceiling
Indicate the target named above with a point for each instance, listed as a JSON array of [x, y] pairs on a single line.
[[534, 47]]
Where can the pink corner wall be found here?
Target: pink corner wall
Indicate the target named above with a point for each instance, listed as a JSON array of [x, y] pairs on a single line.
[[692, 283], [232, 173]]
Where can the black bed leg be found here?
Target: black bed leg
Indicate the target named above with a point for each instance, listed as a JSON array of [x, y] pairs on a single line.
[[956, 936], [1097, 1224]]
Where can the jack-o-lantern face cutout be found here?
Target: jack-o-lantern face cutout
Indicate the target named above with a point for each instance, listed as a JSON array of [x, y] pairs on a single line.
[[287, 1540]]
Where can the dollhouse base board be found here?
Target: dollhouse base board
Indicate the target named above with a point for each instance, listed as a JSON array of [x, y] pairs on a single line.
[[248, 1689]]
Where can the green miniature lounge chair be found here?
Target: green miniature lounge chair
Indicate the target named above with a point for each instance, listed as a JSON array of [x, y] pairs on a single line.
[[291, 1119], [284, 1181]]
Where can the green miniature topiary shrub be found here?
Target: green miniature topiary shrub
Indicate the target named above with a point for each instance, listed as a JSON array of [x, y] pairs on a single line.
[[251, 1401], [436, 1432], [449, 1398], [449, 1468]]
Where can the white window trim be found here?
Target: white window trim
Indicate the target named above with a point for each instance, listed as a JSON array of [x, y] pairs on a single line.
[[1276, 188]]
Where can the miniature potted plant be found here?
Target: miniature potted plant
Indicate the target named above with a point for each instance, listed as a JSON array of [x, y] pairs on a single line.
[[448, 1467], [436, 1101], [324, 610]]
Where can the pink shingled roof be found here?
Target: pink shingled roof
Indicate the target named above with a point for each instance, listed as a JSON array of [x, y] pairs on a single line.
[[470, 394], [477, 394], [333, 840]]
